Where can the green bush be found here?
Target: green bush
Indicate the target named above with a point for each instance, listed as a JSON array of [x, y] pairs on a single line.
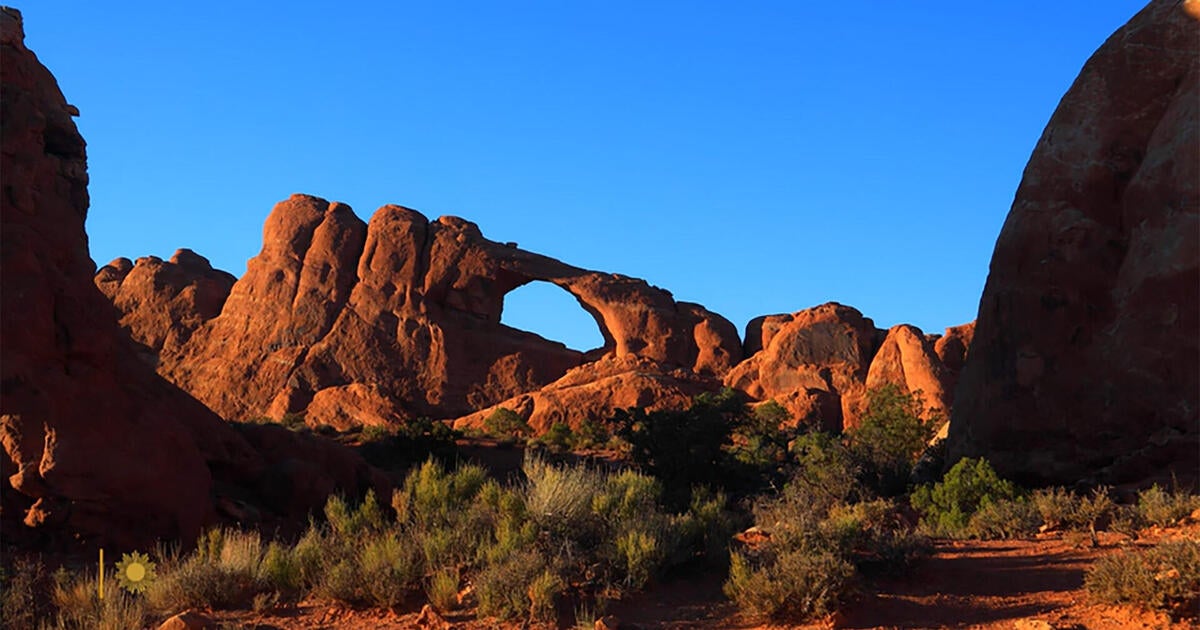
[[684, 449], [1166, 577], [890, 438], [947, 506], [506, 423], [559, 438], [591, 434], [826, 472]]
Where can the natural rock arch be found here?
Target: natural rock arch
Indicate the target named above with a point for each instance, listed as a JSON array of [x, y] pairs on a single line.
[[556, 303]]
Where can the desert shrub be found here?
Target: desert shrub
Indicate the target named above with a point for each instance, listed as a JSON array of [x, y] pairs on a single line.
[[22, 593], [759, 444], [376, 433], [1003, 519], [505, 423], [399, 447], [1157, 506], [826, 472], [293, 421], [795, 584], [347, 522], [591, 434], [1055, 507], [446, 512], [815, 547], [559, 498], [1093, 512], [705, 529], [1166, 577], [282, 572], [223, 572], [503, 587], [890, 438], [947, 506], [559, 438], [543, 592], [687, 448], [389, 568], [442, 589]]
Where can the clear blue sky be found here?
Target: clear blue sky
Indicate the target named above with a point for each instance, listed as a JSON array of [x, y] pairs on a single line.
[[756, 157]]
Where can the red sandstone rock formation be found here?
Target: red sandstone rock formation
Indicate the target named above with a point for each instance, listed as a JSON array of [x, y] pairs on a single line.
[[161, 303], [908, 360], [1086, 356], [95, 443], [813, 362], [335, 319], [92, 436], [819, 363], [596, 390]]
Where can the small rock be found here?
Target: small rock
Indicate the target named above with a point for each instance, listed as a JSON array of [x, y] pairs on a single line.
[[187, 621]]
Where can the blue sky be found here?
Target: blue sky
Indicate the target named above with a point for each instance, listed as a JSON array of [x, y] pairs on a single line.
[[754, 157]]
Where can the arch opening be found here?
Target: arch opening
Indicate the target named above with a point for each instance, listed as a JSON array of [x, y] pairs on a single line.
[[552, 313]]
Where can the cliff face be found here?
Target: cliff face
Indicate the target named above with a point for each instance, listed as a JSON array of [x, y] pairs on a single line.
[[1086, 358], [71, 385], [96, 445]]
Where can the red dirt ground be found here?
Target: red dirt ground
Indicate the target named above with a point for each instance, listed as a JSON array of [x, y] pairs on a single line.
[[1016, 585]]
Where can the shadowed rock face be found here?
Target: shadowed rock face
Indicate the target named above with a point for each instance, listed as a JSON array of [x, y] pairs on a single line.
[[1086, 358], [92, 436], [95, 444], [401, 316]]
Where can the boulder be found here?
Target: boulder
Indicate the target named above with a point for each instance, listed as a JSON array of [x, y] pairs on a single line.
[[1086, 355]]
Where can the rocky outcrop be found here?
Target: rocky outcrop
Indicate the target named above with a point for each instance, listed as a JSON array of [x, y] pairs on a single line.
[[96, 446], [596, 390], [163, 302], [819, 363], [401, 316], [907, 359], [813, 362], [1086, 356]]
